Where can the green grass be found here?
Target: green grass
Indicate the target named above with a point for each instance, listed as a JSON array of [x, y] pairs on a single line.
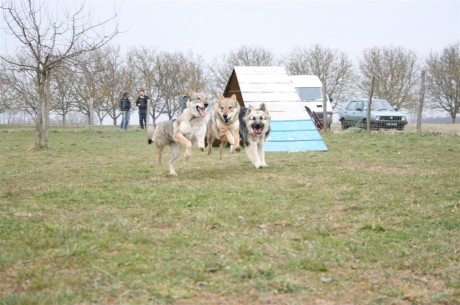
[[93, 220]]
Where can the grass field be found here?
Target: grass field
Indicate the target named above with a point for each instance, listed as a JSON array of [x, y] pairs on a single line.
[[93, 220]]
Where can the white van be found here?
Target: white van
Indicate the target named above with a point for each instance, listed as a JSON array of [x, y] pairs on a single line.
[[309, 89]]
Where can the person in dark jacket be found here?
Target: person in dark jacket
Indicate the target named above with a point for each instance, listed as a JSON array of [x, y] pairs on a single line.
[[183, 103], [125, 107], [141, 103]]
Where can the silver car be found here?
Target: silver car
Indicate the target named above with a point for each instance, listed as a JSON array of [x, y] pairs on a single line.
[[383, 115]]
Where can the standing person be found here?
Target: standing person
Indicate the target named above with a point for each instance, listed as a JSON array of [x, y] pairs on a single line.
[[183, 103], [125, 107], [141, 103]]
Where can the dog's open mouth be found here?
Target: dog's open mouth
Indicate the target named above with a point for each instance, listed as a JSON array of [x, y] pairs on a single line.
[[201, 111], [256, 132]]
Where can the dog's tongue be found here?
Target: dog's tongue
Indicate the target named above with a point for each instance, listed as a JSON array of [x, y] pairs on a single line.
[[202, 111], [254, 132]]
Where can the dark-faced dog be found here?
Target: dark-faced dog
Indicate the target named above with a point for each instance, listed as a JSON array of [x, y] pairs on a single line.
[[254, 130]]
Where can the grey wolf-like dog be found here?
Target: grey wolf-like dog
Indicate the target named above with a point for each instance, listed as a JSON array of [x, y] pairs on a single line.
[[254, 130], [224, 125], [187, 129]]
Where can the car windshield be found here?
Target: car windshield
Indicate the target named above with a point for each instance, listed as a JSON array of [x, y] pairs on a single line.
[[309, 93], [380, 105]]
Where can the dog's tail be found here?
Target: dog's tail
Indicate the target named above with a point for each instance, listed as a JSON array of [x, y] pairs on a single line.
[[150, 132]]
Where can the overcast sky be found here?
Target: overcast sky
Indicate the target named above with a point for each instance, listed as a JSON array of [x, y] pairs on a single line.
[[213, 28]]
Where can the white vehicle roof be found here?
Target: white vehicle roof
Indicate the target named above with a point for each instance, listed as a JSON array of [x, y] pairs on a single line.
[[300, 81]]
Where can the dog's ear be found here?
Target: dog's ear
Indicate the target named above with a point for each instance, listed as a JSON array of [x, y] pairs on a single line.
[[191, 91], [233, 97], [222, 96], [263, 107]]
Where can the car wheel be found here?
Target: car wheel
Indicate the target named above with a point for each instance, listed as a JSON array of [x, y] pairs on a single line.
[[344, 125]]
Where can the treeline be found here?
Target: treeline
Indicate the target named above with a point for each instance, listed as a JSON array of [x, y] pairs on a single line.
[[104, 74], [72, 69]]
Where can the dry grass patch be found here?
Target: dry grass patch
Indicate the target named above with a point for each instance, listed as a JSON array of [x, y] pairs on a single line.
[[93, 220]]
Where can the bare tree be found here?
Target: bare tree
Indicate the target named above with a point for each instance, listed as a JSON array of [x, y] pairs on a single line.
[[7, 103], [112, 82], [222, 68], [21, 91], [166, 77], [63, 99], [89, 74], [334, 69], [175, 73], [140, 75], [3, 90], [443, 83], [396, 74], [49, 36]]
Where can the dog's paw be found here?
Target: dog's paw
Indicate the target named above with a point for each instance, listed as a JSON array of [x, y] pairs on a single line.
[[201, 146], [172, 171], [188, 153]]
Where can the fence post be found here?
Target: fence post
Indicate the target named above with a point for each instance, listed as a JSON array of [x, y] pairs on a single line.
[[147, 117], [91, 106], [325, 125], [368, 114]]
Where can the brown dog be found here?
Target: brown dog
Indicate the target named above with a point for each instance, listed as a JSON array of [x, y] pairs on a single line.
[[224, 125]]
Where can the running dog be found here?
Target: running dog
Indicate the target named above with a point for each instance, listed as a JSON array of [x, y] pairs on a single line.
[[254, 130], [224, 125], [188, 128]]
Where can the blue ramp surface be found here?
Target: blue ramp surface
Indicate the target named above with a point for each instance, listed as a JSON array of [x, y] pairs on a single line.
[[292, 136]]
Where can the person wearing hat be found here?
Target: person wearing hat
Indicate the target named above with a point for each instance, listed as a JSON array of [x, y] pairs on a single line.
[[141, 103], [125, 107]]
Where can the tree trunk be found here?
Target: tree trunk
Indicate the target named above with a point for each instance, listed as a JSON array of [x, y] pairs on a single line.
[[38, 130], [420, 103], [47, 81], [40, 121]]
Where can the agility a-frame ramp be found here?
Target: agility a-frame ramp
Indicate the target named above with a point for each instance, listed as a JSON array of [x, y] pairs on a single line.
[[292, 128]]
